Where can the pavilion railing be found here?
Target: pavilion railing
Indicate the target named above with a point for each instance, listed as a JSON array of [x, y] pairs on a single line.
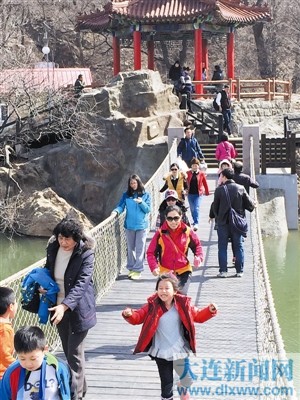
[[110, 254], [266, 89]]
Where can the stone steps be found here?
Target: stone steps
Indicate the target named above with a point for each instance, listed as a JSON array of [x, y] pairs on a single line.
[[209, 149]]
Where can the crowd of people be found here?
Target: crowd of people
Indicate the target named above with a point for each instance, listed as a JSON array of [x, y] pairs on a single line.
[[168, 317]]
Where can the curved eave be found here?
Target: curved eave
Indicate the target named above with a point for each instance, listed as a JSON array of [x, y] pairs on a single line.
[[95, 22], [234, 14]]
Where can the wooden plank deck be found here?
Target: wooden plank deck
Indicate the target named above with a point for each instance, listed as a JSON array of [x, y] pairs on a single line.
[[114, 373]]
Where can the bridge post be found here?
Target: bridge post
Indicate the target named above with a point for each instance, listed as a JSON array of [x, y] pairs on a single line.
[[174, 133], [249, 131]]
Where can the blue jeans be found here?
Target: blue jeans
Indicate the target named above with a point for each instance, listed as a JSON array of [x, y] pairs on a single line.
[[224, 234], [227, 119], [195, 202], [136, 245]]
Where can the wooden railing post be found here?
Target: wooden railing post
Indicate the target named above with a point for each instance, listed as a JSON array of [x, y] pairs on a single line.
[[273, 89], [263, 154], [238, 89], [292, 148]]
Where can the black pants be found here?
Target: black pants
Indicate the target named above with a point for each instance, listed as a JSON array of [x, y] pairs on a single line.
[[184, 282], [165, 370], [73, 347]]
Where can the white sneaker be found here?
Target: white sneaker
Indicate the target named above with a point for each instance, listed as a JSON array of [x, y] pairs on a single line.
[[222, 275], [195, 227], [239, 275]]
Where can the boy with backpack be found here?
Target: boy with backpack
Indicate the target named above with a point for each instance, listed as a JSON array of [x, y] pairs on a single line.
[[36, 374]]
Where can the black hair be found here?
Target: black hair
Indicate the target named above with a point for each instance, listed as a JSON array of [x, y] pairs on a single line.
[[224, 137], [191, 127], [170, 277], [69, 227], [29, 338], [140, 189], [7, 297], [228, 173], [173, 208], [80, 76], [238, 167], [174, 165]]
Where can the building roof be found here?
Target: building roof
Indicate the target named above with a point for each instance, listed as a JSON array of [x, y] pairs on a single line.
[[41, 78], [118, 13]]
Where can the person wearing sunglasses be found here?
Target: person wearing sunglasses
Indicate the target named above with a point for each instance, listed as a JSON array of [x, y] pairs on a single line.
[[175, 180], [171, 199], [169, 248]]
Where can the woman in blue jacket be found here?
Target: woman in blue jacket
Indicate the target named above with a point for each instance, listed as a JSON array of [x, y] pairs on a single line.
[[136, 201]]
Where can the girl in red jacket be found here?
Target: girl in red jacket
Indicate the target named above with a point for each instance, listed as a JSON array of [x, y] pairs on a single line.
[[169, 247], [168, 333]]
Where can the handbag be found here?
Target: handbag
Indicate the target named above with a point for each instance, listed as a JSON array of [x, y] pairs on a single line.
[[237, 222], [31, 299]]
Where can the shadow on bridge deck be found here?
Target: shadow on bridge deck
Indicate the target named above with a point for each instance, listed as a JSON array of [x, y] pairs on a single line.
[[114, 373]]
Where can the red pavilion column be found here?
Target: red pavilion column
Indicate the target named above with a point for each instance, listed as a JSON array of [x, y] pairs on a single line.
[[205, 56], [137, 48], [230, 54], [198, 59], [150, 46], [116, 55]]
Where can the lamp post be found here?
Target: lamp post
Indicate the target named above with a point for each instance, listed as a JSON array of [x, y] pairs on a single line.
[[46, 51]]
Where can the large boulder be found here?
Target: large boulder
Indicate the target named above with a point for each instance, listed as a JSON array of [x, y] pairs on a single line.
[[133, 94], [42, 211]]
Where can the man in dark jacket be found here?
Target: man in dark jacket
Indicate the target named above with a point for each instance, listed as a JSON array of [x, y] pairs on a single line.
[[189, 147], [243, 179], [224, 103], [175, 74], [240, 201]]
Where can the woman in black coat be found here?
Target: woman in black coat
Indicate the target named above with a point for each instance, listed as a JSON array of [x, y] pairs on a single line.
[[70, 259]]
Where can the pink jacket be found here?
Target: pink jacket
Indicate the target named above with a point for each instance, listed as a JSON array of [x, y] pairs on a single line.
[[225, 150]]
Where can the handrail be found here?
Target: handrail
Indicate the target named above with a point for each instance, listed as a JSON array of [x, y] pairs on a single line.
[[267, 89], [215, 117], [270, 342]]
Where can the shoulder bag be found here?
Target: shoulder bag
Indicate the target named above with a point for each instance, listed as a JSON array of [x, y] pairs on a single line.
[[237, 222]]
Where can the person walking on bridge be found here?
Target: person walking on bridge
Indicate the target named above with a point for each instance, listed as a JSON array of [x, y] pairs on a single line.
[[240, 201], [136, 201], [188, 147], [168, 333], [169, 247], [243, 179]]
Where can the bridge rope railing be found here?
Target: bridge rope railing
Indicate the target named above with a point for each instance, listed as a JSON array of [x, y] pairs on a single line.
[[110, 254], [270, 345]]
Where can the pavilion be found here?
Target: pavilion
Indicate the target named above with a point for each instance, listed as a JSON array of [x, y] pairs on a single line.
[[157, 20]]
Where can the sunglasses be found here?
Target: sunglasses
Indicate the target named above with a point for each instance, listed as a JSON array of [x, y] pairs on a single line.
[[174, 169], [176, 219], [171, 199]]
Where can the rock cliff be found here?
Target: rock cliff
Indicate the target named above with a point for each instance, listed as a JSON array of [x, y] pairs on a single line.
[[133, 113]]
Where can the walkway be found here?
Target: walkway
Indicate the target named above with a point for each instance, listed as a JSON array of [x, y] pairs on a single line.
[[114, 373]]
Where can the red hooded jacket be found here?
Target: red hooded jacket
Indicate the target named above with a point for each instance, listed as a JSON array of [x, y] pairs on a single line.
[[168, 249], [151, 312]]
